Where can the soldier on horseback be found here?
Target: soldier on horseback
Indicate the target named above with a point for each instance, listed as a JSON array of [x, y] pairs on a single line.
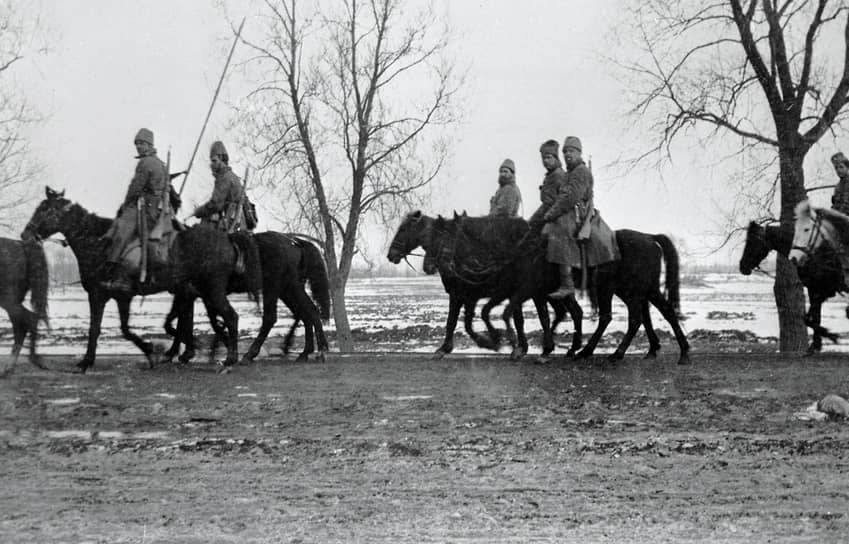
[[140, 210], [225, 208], [840, 198], [508, 198], [577, 236]]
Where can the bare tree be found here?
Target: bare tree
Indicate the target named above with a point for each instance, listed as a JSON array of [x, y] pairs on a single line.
[[348, 118], [19, 33], [771, 75]]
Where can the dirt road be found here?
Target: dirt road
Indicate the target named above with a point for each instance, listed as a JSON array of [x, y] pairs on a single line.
[[399, 448]]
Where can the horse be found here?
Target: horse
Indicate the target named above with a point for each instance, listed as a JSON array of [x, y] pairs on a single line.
[[821, 275], [287, 263], [814, 227], [518, 264], [214, 261], [23, 267], [459, 281]]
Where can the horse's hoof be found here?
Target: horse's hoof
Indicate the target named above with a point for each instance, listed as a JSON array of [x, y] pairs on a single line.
[[684, 359], [650, 355], [615, 357], [543, 360], [225, 370], [440, 353], [36, 361], [83, 366], [517, 354]]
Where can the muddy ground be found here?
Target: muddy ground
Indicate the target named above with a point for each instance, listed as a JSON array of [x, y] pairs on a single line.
[[400, 448]]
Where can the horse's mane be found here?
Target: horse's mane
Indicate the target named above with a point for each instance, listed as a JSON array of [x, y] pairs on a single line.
[[497, 234], [89, 223], [838, 220]]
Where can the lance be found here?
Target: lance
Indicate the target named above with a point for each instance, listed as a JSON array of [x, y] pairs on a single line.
[[209, 112]]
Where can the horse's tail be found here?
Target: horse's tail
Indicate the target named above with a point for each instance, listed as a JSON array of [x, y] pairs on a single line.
[[253, 266], [38, 276], [670, 256], [313, 270]]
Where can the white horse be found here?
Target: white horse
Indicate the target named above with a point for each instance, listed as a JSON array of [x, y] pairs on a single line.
[[817, 226]]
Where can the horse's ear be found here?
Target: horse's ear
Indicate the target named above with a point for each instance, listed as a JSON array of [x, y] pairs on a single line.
[[455, 215], [416, 215], [50, 193], [465, 214]]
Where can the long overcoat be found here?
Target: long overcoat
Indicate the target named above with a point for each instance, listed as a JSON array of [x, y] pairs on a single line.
[[222, 209], [572, 206]]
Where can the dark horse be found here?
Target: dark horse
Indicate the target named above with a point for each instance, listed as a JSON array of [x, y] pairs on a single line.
[[468, 281], [822, 274], [23, 267], [287, 262], [206, 259], [517, 266]]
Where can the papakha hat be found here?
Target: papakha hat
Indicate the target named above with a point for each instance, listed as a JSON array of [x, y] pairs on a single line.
[[144, 135], [839, 158], [508, 163], [217, 149], [572, 141], [551, 147]]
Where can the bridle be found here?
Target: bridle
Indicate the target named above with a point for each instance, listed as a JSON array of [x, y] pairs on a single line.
[[814, 237]]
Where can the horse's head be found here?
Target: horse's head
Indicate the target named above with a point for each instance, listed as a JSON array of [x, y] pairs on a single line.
[[411, 234], [47, 218], [810, 231], [755, 250]]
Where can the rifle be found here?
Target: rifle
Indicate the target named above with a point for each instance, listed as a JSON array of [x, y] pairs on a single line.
[[240, 212]]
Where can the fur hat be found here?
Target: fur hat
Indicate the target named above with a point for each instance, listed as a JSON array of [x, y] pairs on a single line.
[[144, 135], [839, 158], [217, 149], [572, 141], [551, 147], [508, 163]]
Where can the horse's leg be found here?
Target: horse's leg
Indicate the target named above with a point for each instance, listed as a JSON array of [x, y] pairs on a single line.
[[605, 315], [577, 314], [654, 341], [468, 322], [303, 307], [19, 332], [494, 334], [635, 319], [219, 332], [96, 302], [814, 320], [290, 336], [671, 316], [173, 314], [32, 326], [217, 300], [147, 348], [186, 326], [547, 331], [521, 348], [454, 304], [269, 318]]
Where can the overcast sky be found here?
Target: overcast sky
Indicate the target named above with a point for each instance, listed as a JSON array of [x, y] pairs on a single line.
[[534, 73]]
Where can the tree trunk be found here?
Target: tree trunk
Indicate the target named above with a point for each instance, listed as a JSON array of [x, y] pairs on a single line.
[[344, 340], [788, 289]]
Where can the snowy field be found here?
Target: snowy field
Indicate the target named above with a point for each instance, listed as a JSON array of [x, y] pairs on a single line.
[[713, 302]]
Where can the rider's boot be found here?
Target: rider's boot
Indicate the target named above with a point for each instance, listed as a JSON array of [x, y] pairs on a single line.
[[567, 284]]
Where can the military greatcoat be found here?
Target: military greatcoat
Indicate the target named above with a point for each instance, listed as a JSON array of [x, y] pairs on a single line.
[[148, 182], [223, 207], [506, 201]]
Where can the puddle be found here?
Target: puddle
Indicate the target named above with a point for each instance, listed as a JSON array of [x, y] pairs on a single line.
[[151, 435], [70, 400], [409, 397], [246, 395], [84, 435], [110, 435], [165, 395]]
